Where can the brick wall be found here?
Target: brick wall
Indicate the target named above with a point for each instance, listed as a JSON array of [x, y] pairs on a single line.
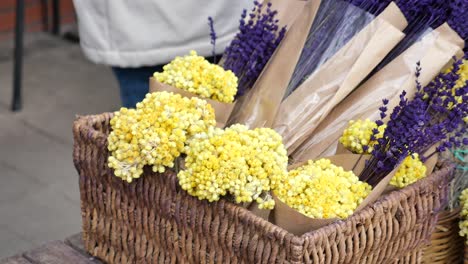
[[34, 16]]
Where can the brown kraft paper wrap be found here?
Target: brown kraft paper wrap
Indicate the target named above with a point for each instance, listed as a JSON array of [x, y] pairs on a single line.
[[299, 224], [262, 213], [434, 51], [222, 110], [259, 106], [254, 209], [310, 103], [342, 150]]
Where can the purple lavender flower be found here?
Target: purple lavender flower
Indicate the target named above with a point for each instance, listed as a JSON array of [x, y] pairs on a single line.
[[434, 116], [458, 18], [213, 38], [253, 46]]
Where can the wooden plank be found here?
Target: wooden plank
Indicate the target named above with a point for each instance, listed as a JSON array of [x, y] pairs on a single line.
[[15, 260], [57, 252], [76, 242]]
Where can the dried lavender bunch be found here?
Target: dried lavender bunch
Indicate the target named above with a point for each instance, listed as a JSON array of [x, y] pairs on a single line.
[[417, 12], [435, 116], [253, 46], [458, 19], [371, 6], [421, 15], [213, 38]]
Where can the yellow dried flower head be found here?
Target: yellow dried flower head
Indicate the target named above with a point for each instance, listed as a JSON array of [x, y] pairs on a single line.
[[460, 83], [195, 74], [464, 215], [155, 133], [322, 190], [462, 78], [357, 136], [244, 163], [411, 170]]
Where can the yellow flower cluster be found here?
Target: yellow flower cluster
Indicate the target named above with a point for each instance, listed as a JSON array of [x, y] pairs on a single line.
[[464, 215], [322, 190], [244, 163], [195, 74], [461, 82], [358, 134], [155, 133], [411, 170]]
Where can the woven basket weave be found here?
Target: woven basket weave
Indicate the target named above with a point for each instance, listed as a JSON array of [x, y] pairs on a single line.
[[465, 261], [446, 244], [152, 220]]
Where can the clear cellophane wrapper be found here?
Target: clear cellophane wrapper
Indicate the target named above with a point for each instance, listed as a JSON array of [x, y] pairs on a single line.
[[302, 111], [434, 52], [258, 106]]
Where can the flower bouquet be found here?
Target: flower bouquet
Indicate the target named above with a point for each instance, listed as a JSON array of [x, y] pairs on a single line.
[[190, 177], [193, 76]]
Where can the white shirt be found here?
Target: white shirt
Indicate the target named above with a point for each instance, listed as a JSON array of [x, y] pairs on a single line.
[[134, 33]]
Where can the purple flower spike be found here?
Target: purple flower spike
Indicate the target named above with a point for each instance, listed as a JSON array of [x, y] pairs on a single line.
[[213, 38], [458, 18], [434, 116], [253, 46]]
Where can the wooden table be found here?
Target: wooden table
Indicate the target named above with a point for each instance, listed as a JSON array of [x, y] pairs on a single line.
[[56, 252]]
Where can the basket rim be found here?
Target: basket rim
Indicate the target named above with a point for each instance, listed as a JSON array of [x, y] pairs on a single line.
[[84, 127]]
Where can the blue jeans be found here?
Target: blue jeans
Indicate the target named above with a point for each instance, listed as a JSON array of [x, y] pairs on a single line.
[[134, 83]]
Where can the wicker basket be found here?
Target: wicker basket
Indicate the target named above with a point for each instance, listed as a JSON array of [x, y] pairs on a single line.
[[446, 244], [466, 254], [152, 220]]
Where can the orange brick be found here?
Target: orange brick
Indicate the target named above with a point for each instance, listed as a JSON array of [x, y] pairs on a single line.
[[33, 16]]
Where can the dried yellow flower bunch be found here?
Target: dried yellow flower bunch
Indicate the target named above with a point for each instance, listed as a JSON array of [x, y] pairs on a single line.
[[357, 136], [460, 83], [411, 170], [244, 163], [320, 189], [155, 133], [195, 74]]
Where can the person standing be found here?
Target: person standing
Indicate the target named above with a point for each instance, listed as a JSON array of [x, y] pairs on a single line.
[[137, 37]]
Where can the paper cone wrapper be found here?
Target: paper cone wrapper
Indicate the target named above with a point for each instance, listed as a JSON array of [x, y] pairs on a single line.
[[430, 165], [222, 110], [434, 51], [299, 224], [302, 111], [253, 207], [262, 213], [259, 106], [295, 222], [342, 150]]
